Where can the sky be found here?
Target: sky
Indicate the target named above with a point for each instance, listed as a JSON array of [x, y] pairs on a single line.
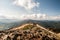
[[30, 9]]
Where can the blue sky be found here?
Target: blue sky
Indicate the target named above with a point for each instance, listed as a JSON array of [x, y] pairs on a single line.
[[51, 7], [14, 8]]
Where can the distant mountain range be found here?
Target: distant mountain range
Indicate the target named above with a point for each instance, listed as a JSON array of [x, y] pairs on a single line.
[[9, 23]]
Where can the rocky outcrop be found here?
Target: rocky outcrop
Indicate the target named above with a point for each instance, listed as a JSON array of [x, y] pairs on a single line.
[[35, 33]]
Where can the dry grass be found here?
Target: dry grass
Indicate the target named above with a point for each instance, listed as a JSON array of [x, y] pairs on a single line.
[[31, 32]]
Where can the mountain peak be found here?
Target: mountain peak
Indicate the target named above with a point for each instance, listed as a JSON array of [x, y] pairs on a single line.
[[32, 31]]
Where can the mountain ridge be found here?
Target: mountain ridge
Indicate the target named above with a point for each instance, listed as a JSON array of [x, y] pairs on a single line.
[[45, 23], [36, 30]]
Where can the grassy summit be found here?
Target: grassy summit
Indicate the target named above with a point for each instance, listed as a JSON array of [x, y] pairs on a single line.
[[28, 27]]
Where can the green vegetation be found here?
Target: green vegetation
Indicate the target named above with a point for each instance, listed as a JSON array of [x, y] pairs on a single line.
[[28, 27]]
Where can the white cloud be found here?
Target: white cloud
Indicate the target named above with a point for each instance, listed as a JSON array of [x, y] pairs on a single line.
[[27, 4], [31, 16], [54, 17], [36, 16]]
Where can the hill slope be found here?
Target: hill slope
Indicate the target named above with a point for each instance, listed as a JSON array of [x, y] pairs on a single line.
[[52, 25], [29, 31]]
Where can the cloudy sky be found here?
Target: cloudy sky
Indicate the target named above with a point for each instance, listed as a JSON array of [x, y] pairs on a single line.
[[30, 9]]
